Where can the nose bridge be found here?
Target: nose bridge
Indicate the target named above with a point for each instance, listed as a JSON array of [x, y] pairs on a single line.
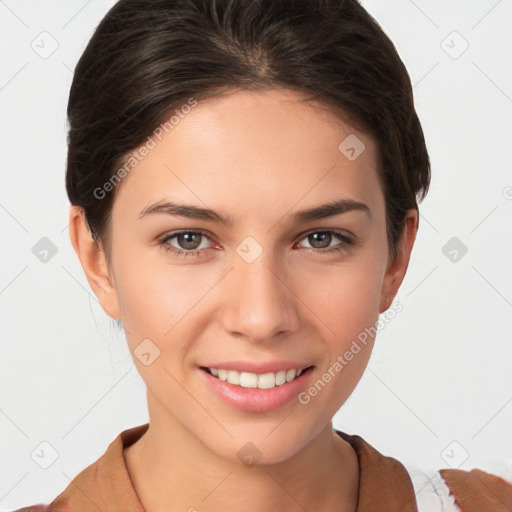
[[259, 303]]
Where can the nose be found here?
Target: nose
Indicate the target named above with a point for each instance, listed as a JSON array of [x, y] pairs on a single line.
[[259, 300]]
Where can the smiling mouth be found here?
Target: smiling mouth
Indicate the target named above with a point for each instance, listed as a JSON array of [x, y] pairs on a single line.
[[254, 380]]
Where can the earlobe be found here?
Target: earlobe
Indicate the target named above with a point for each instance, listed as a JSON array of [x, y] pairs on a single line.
[[397, 268], [92, 257]]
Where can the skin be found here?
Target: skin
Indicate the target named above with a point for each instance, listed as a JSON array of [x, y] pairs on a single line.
[[259, 157]]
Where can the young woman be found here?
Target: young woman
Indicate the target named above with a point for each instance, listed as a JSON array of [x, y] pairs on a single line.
[[244, 178]]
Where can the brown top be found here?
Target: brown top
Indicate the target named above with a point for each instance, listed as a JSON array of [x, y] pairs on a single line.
[[384, 484], [478, 491]]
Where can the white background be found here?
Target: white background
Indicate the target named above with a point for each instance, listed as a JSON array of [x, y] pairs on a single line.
[[440, 371]]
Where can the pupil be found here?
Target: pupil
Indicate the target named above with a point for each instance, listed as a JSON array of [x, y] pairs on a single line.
[[324, 238], [188, 237]]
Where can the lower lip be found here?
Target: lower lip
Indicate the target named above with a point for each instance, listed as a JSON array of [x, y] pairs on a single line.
[[255, 399]]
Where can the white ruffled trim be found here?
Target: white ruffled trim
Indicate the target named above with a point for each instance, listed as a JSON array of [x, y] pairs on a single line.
[[432, 493]]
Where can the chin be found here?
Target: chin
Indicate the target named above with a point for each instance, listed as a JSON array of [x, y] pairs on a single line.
[[257, 448]]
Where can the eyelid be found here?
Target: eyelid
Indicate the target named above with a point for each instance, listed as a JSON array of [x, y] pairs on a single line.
[[342, 233], [173, 234]]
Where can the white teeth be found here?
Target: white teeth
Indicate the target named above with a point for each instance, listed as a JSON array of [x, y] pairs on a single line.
[[267, 380], [233, 377], [290, 375], [246, 380], [280, 377], [253, 380]]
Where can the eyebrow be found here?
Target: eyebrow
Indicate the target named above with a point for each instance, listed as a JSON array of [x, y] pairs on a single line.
[[323, 211]]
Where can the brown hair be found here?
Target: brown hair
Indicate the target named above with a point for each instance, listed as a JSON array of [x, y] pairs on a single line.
[[148, 57]]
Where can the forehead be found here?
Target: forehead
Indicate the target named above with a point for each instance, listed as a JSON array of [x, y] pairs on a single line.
[[255, 150]]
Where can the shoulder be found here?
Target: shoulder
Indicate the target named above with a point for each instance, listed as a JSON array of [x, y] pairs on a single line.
[[105, 480], [455, 490], [478, 490]]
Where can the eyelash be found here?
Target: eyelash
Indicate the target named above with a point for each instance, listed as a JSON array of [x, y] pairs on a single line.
[[346, 242]]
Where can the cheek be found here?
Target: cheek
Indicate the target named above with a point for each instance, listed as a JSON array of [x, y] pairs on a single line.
[[344, 298], [144, 295], [345, 306], [152, 296], [164, 303]]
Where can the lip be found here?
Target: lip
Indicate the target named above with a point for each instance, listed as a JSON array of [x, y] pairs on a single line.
[[255, 399], [263, 367]]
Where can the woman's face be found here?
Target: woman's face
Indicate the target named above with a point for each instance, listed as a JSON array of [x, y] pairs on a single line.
[[272, 288]]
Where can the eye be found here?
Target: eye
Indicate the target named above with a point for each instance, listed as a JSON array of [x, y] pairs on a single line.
[[322, 239], [189, 241]]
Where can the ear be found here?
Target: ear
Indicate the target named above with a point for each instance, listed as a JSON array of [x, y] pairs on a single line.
[[92, 257], [397, 268]]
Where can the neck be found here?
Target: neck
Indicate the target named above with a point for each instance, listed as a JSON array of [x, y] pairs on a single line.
[[168, 465]]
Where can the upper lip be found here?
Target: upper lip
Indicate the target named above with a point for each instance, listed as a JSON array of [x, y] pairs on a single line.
[[252, 367]]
